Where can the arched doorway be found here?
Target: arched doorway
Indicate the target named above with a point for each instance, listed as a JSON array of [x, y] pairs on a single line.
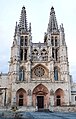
[[21, 99], [41, 97], [59, 97]]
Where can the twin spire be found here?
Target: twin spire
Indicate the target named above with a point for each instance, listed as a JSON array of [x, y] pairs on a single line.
[[52, 25]]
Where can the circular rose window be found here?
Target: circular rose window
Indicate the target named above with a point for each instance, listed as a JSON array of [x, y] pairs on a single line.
[[39, 71]]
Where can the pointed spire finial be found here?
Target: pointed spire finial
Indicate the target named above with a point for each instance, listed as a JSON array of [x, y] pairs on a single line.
[[52, 10], [52, 26], [23, 7], [23, 19]]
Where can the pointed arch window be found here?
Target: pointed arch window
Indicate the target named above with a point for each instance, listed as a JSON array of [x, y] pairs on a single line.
[[26, 38], [55, 73], [53, 52], [56, 41], [21, 54], [52, 41], [21, 74], [56, 54], [21, 41], [25, 54]]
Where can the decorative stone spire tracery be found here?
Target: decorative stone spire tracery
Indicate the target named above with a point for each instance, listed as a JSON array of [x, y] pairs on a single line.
[[52, 25], [23, 20]]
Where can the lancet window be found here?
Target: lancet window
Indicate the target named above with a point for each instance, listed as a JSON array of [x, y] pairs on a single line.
[[56, 53], [23, 48], [52, 41], [21, 54], [21, 41], [26, 38], [25, 54], [55, 73], [56, 41], [53, 52]]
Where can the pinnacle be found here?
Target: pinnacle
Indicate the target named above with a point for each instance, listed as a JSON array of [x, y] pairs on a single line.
[[52, 8], [52, 26], [23, 7], [23, 19]]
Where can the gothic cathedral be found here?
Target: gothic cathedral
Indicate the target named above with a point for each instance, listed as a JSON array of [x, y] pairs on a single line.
[[38, 72]]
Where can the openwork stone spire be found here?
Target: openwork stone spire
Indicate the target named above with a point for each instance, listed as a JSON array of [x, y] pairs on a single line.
[[23, 20], [52, 26]]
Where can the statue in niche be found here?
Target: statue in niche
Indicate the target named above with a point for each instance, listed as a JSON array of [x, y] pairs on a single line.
[[21, 75], [29, 92], [51, 92], [55, 73]]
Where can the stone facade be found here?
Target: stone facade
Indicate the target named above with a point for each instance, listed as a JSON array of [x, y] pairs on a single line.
[[38, 74]]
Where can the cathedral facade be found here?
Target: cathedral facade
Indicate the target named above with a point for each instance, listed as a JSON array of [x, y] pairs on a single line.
[[38, 72]]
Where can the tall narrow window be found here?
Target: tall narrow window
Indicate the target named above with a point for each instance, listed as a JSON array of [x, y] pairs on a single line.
[[52, 41], [25, 55], [55, 73], [56, 41], [26, 40], [56, 52], [53, 52], [21, 41], [21, 54]]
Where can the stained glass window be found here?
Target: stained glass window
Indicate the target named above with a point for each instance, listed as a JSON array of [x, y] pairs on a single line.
[[39, 71], [55, 73]]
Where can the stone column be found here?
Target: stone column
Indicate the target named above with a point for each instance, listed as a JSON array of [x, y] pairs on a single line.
[[13, 98], [51, 108], [29, 98], [51, 100]]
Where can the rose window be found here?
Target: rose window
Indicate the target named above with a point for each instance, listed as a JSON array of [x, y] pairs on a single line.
[[39, 71]]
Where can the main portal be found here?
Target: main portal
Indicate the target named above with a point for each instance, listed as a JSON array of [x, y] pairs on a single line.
[[40, 102]]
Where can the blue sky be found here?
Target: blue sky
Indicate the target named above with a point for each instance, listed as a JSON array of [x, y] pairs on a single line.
[[38, 14]]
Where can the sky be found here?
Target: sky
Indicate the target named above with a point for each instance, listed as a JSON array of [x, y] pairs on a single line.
[[38, 12]]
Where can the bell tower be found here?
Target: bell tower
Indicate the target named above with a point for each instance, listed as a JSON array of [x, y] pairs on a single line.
[[20, 60], [54, 38], [21, 50], [53, 35]]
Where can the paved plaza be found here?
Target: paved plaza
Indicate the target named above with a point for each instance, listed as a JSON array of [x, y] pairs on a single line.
[[52, 115], [38, 115]]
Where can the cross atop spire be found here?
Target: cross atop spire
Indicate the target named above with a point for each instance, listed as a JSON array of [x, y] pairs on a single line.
[[23, 19], [52, 25]]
